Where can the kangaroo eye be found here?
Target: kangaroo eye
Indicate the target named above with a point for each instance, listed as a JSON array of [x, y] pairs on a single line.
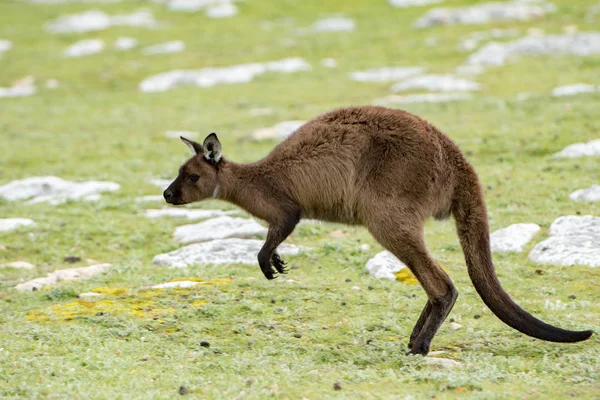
[[193, 178]]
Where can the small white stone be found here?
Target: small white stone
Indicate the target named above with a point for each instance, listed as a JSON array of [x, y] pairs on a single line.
[[17, 91], [422, 98], [329, 62], [412, 3], [190, 214], [95, 20], [334, 24], [571, 90], [219, 228], [513, 238], [84, 48], [52, 83], [442, 362], [19, 265], [590, 194], [591, 148], [384, 265], [89, 295], [454, 326], [125, 43], [364, 247], [385, 74], [221, 251], [9, 224], [355, 288], [223, 10], [440, 83], [278, 131], [174, 46], [62, 275], [5, 45], [177, 285]]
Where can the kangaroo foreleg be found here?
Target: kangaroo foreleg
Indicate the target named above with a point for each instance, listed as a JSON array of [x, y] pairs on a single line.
[[270, 262]]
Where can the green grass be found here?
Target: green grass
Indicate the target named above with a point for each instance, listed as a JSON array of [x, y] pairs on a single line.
[[146, 344]]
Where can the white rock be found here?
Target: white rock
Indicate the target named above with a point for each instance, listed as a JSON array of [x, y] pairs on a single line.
[[442, 362], [329, 62], [440, 83], [355, 288], [177, 285], [334, 24], [9, 224], [454, 326], [364, 247], [63, 275], [384, 265], [513, 238], [185, 134], [84, 48], [278, 131], [125, 43], [385, 74], [222, 251], [161, 183], [591, 148], [219, 228], [95, 20], [590, 194], [144, 199], [193, 5], [413, 3], [5, 45], [174, 46], [19, 265], [89, 295], [578, 44], [224, 10], [574, 241], [571, 90], [472, 41], [422, 98], [18, 91], [53, 190], [52, 83], [209, 77], [190, 214], [485, 13]]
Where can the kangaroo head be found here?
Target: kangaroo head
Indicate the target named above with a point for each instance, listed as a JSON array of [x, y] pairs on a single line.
[[197, 179]]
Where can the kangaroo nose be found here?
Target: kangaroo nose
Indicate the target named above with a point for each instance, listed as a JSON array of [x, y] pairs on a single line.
[[168, 195]]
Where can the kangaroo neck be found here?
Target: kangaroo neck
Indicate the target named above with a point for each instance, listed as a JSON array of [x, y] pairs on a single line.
[[245, 185]]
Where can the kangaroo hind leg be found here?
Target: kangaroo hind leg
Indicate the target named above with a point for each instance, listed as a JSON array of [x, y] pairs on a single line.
[[407, 244]]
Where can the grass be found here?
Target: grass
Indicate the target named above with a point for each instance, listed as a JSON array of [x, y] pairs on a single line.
[[140, 343]]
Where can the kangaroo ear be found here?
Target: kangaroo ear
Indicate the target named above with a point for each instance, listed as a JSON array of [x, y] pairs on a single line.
[[195, 148], [212, 148]]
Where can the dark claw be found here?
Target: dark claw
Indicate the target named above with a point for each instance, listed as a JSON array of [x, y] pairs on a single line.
[[279, 264]]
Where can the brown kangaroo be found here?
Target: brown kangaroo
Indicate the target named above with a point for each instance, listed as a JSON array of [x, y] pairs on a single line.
[[385, 169]]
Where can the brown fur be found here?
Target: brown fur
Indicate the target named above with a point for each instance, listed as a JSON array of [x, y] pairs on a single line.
[[388, 170]]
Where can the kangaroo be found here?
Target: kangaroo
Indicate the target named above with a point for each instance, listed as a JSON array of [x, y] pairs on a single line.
[[385, 169]]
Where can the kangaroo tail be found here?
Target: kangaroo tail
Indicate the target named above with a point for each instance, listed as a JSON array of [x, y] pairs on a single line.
[[468, 208]]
